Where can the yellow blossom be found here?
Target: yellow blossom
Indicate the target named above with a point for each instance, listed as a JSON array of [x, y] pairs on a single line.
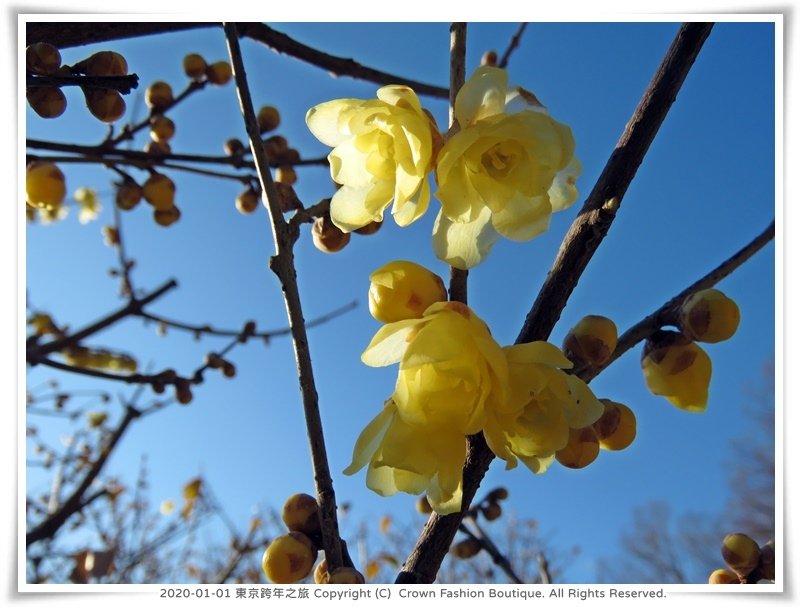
[[400, 290], [383, 150], [89, 203], [709, 316], [544, 404], [503, 173], [451, 369], [678, 369], [412, 459]]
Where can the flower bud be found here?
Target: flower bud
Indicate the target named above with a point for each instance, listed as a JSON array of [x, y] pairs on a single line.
[[233, 146], [159, 191], [581, 450], [105, 63], [401, 290], [161, 128], [129, 193], [96, 418], [496, 495], [723, 576], [466, 549], [321, 574], [678, 369], [591, 341], [346, 575], [106, 105], [47, 101], [492, 511], [42, 58], [369, 229], [616, 427], [194, 66], [286, 174], [158, 96], [741, 553], [228, 369], [289, 558], [167, 217], [247, 201], [275, 147], [709, 316], [766, 561], [489, 58], [268, 119], [301, 513], [183, 394], [219, 73], [45, 185], [110, 236], [327, 237], [158, 148]]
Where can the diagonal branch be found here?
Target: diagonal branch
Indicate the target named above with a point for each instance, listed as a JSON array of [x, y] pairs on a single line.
[[512, 45]]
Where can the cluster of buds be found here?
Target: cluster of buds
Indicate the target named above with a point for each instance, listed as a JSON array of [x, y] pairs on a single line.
[[747, 562], [489, 507], [159, 192], [328, 238], [674, 365], [44, 59], [290, 557], [215, 361], [198, 70], [87, 358], [106, 105]]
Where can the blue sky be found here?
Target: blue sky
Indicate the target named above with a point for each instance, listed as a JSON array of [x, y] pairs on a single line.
[[704, 190]]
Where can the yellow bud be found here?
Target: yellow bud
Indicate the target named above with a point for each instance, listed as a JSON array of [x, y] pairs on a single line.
[[369, 229], [96, 418], [741, 553], [581, 450], [219, 73], [678, 369], [159, 191], [591, 341], [723, 576], [167, 217], [106, 105], [158, 96], [327, 237], [158, 148], [105, 63], [45, 185], [423, 505], [161, 128], [766, 561], [616, 428], [301, 513], [42, 58], [401, 290], [247, 201], [286, 174], [194, 66], [47, 101], [321, 574], [268, 119], [466, 549], [289, 558], [709, 316], [346, 575], [128, 194]]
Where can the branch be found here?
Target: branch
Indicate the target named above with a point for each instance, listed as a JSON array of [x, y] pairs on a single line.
[[123, 84], [37, 351], [75, 502], [512, 45], [579, 245], [65, 35], [282, 264], [667, 314]]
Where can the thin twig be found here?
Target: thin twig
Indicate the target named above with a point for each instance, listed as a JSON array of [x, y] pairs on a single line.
[[512, 45], [282, 264]]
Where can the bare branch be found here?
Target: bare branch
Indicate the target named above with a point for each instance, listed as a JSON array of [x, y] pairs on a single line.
[[512, 45], [123, 84]]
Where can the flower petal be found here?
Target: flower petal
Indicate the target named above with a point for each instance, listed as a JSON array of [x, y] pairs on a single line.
[[523, 218], [464, 245], [483, 95], [389, 343], [414, 207], [563, 192], [370, 438], [327, 121], [353, 208]]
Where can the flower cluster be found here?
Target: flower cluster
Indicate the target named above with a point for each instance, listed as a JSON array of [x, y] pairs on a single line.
[[504, 172], [455, 380]]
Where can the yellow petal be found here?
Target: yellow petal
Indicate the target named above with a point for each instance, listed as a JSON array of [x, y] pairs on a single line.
[[464, 245], [389, 343], [349, 165], [370, 438], [400, 96], [538, 464], [413, 207], [537, 352], [354, 208], [563, 192], [326, 120], [585, 408], [483, 95]]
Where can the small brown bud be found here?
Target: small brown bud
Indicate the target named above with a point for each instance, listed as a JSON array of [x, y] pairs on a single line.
[[466, 549], [489, 58], [42, 58], [233, 146], [194, 66], [327, 237], [47, 101], [741, 553], [247, 201], [268, 119], [219, 73], [106, 105], [158, 96], [492, 511], [369, 229]]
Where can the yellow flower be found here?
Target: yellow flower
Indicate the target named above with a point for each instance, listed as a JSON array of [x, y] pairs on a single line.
[[383, 150], [502, 173], [544, 404], [709, 316], [402, 289], [451, 369], [89, 203], [678, 369], [412, 459]]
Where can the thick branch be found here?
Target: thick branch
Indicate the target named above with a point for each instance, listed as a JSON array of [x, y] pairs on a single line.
[[123, 84], [50, 526], [65, 35], [35, 351], [579, 245], [283, 266]]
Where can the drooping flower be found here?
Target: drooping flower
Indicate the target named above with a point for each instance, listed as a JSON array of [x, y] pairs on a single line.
[[383, 151], [504, 173], [451, 369], [411, 458], [544, 404], [678, 369], [89, 203]]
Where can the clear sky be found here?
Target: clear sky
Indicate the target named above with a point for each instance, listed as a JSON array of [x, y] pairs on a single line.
[[706, 188]]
